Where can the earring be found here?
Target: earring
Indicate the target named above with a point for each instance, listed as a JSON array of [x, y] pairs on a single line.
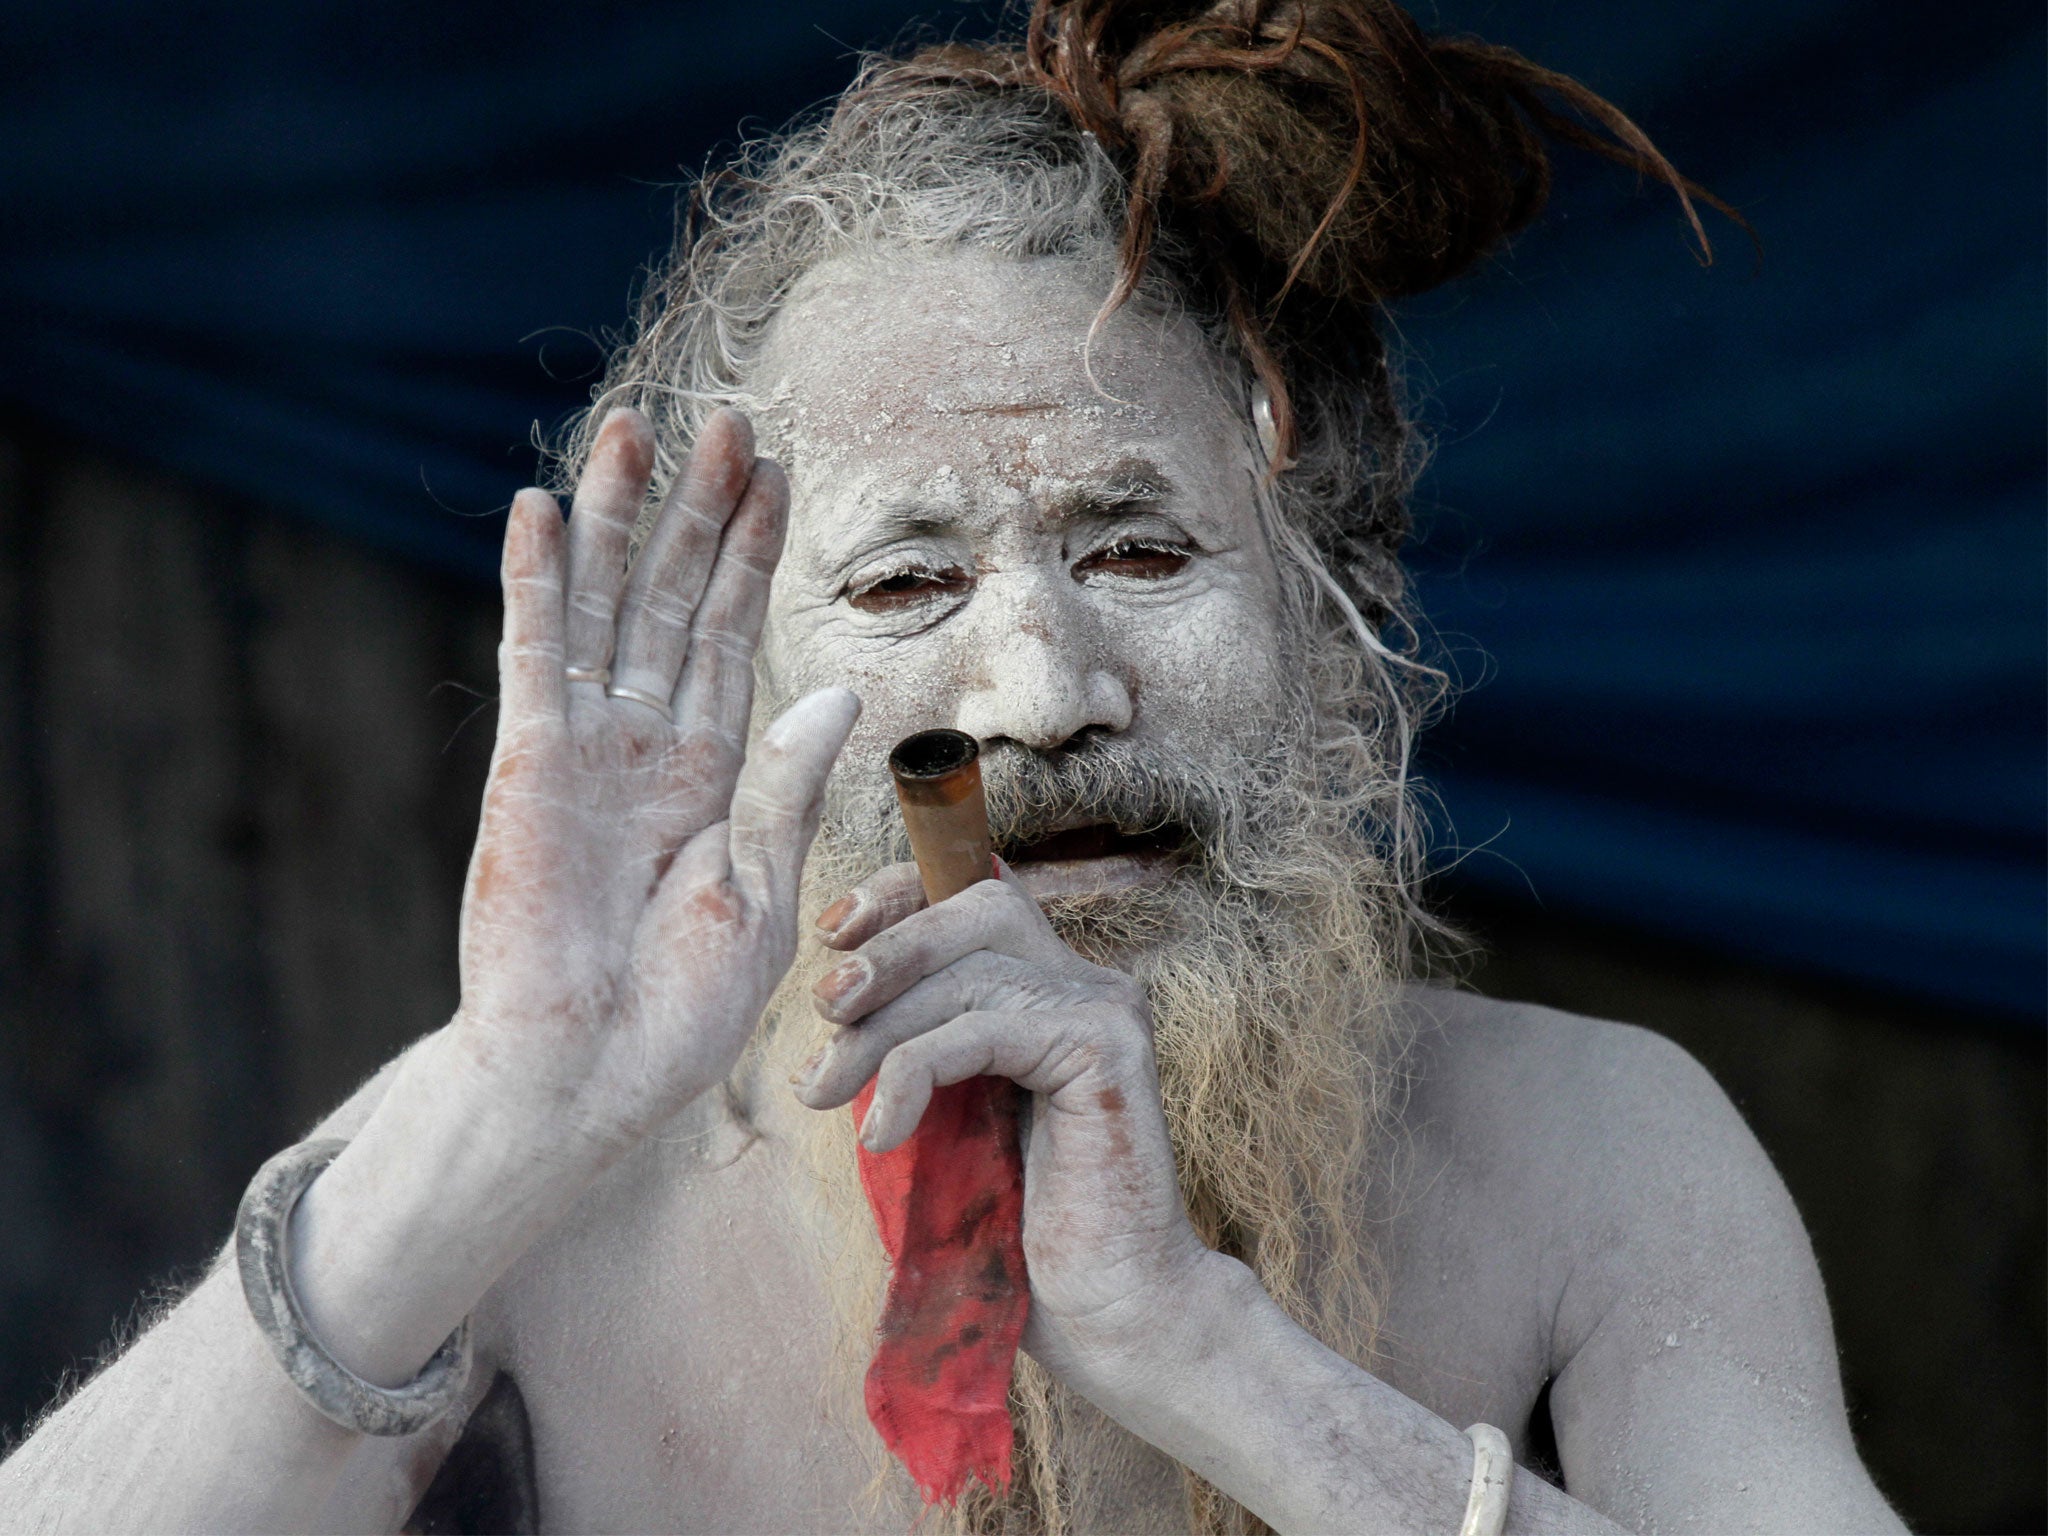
[[1262, 422]]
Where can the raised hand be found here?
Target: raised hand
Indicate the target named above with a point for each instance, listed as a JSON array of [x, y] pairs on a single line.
[[631, 901]]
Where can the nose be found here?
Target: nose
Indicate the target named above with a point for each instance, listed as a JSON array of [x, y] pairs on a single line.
[[1042, 677]]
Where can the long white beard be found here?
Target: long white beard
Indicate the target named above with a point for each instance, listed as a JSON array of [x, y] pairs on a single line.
[[1272, 962]]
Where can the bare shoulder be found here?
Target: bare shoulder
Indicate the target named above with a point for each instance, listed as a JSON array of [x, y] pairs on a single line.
[[1557, 1159], [1636, 1157], [1668, 1276], [1521, 1066]]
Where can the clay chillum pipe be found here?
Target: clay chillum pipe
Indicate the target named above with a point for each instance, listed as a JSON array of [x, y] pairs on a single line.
[[938, 786]]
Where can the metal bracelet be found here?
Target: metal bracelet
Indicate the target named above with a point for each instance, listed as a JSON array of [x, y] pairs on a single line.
[[264, 1260]]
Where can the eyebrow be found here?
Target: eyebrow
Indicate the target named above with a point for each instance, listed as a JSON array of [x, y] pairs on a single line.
[[1126, 483]]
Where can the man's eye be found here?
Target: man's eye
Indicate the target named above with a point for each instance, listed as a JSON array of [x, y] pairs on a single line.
[[905, 588], [1135, 557]]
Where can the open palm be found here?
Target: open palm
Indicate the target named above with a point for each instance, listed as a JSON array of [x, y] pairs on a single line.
[[631, 901]]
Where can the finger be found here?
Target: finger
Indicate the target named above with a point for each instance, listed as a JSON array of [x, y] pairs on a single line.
[[716, 693], [855, 1052], [1039, 1050], [609, 495], [781, 790], [675, 563], [885, 898], [694, 893], [705, 859], [530, 652], [989, 915]]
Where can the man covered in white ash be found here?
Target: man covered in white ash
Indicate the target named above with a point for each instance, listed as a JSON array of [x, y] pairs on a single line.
[[1038, 393]]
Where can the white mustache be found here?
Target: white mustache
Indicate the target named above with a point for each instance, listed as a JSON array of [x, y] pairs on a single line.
[[1101, 781]]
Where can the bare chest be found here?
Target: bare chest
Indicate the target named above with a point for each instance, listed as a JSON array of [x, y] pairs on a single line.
[[674, 1346]]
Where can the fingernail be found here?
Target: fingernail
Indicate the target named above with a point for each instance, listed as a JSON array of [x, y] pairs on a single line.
[[809, 1069], [839, 982], [834, 917]]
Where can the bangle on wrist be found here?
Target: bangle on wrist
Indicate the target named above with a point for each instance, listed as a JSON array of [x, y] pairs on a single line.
[[262, 1256], [1493, 1474]]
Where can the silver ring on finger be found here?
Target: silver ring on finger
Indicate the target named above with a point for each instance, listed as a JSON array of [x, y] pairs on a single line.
[[602, 676], [641, 696]]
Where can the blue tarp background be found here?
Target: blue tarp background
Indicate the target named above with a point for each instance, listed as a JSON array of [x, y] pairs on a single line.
[[1746, 563]]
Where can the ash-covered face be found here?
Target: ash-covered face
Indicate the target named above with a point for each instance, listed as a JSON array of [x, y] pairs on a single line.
[[985, 537]]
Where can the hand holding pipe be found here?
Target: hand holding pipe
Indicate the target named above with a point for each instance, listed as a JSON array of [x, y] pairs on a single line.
[[949, 1203]]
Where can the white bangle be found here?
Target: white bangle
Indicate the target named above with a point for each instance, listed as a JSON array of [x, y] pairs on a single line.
[[261, 1227], [1493, 1474]]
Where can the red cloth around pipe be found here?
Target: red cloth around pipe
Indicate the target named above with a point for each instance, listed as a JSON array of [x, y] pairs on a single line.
[[949, 1204]]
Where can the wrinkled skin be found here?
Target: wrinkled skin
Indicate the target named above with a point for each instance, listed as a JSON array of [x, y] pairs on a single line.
[[1007, 528]]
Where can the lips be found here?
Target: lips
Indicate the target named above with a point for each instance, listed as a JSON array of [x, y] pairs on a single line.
[[1087, 842], [1095, 859]]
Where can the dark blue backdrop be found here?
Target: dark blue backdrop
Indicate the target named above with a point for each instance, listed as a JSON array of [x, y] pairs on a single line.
[[1748, 563]]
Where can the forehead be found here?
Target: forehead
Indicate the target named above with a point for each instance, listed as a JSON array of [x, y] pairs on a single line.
[[896, 367]]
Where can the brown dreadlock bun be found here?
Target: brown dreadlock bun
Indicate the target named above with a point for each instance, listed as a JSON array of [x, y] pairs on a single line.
[[1309, 150], [1360, 157]]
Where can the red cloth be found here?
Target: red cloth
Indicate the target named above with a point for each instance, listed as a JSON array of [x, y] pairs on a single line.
[[949, 1204]]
